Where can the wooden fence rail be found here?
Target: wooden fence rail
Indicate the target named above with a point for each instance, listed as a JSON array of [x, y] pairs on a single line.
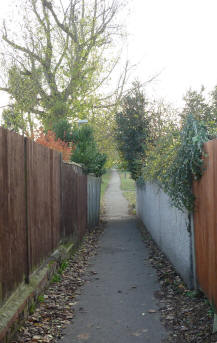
[[42, 200]]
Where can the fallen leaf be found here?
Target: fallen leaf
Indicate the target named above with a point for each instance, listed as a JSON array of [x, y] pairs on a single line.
[[36, 338], [152, 311], [83, 336], [137, 333]]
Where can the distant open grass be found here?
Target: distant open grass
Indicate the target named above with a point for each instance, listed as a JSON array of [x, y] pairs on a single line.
[[104, 184], [128, 188]]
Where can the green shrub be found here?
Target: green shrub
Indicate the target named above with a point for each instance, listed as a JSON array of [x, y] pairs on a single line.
[[86, 152]]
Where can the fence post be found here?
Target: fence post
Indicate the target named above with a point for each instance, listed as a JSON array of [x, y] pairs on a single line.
[[99, 193], [51, 200], [27, 213], [62, 226]]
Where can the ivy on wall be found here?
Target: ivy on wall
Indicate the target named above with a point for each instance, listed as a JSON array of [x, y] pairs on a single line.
[[177, 160]]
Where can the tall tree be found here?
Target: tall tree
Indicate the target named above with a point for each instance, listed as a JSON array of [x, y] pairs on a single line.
[[86, 151], [196, 105], [57, 66], [132, 132], [203, 108]]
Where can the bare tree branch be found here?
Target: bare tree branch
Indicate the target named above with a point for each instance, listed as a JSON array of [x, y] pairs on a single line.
[[5, 89], [23, 49]]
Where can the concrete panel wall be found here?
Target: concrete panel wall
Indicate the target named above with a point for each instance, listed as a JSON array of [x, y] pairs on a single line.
[[169, 228], [93, 201]]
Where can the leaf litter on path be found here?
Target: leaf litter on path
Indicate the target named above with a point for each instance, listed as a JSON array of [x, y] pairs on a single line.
[[186, 314], [56, 308]]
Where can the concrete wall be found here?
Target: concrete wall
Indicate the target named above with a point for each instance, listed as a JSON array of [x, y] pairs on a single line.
[[93, 200], [169, 228]]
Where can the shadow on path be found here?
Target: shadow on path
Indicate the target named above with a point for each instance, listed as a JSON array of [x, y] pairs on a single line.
[[117, 304]]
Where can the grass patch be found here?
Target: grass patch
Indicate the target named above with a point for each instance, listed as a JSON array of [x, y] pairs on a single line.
[[63, 266], [56, 278], [128, 188], [40, 298], [104, 184]]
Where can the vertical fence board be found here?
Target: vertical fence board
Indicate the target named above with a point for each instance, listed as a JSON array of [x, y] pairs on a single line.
[[205, 224], [12, 212], [83, 204], [68, 211], [56, 198], [93, 196]]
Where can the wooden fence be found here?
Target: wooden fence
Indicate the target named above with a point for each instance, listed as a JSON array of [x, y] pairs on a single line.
[[42, 200], [205, 225]]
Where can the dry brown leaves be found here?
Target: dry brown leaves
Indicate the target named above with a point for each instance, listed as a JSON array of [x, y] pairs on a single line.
[[56, 309], [186, 314]]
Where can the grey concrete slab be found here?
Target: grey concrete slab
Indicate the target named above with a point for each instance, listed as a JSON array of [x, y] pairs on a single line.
[[117, 304], [169, 227]]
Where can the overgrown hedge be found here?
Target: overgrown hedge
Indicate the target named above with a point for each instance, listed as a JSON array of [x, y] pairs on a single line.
[[176, 160]]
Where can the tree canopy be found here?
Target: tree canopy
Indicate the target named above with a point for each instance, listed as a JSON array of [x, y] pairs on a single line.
[[132, 132], [56, 66], [86, 151]]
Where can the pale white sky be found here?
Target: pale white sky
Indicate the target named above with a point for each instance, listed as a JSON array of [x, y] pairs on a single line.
[[175, 37]]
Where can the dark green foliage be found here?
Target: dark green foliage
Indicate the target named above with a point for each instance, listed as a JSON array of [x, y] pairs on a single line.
[[187, 164], [196, 105], [202, 109], [63, 130], [86, 152], [132, 130]]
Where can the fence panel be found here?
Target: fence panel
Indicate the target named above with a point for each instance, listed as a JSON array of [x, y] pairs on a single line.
[[82, 205], [13, 252], [74, 197], [93, 202], [43, 188], [168, 226], [205, 224]]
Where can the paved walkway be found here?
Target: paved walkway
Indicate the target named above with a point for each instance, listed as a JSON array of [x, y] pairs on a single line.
[[117, 305]]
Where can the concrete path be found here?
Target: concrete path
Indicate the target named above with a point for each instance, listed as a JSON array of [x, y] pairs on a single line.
[[116, 205], [117, 305]]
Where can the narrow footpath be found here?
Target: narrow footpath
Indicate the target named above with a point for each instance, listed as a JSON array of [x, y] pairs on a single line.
[[117, 304]]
